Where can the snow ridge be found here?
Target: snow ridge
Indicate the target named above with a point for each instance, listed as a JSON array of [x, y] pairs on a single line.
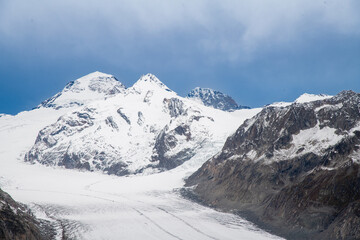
[[306, 97]]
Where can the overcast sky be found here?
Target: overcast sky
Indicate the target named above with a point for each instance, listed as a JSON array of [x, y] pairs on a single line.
[[257, 51]]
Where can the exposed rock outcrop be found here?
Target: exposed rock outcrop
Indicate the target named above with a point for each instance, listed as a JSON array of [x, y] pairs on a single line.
[[17, 223]]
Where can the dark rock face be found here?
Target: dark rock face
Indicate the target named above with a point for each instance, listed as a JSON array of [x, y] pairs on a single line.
[[215, 99], [168, 140], [127, 120], [118, 169], [111, 123], [175, 107], [293, 169], [176, 143], [16, 223]]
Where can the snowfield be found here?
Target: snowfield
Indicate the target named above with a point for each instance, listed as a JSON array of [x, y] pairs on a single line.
[[91, 205]]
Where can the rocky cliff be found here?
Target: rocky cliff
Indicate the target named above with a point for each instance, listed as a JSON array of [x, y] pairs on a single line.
[[17, 223]]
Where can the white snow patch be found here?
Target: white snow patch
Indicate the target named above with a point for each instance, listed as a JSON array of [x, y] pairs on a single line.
[[313, 140], [304, 98], [332, 107], [327, 168], [251, 154]]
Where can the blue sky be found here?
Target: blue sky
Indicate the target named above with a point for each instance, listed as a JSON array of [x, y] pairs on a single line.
[[257, 51]]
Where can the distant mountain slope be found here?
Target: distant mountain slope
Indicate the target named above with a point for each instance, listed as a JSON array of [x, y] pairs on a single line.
[[214, 99], [294, 169], [146, 127]]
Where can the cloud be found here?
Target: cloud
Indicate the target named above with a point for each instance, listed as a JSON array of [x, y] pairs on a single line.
[[225, 30]]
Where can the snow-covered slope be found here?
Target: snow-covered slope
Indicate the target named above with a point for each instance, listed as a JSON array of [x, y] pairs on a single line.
[[91, 87], [214, 99], [145, 127]]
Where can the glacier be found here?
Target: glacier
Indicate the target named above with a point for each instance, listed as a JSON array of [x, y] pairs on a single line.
[[147, 204]]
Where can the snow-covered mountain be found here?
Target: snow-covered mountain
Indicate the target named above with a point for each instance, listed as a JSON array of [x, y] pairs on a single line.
[[93, 86], [122, 131], [214, 99]]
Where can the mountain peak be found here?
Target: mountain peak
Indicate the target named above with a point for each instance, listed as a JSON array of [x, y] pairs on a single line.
[[96, 78], [93, 86], [96, 74], [215, 99], [150, 78], [149, 81]]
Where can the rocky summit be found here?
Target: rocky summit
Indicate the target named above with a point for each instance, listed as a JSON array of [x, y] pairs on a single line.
[[215, 99], [293, 170]]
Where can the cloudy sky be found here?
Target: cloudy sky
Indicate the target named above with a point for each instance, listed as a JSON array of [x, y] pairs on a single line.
[[258, 51]]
